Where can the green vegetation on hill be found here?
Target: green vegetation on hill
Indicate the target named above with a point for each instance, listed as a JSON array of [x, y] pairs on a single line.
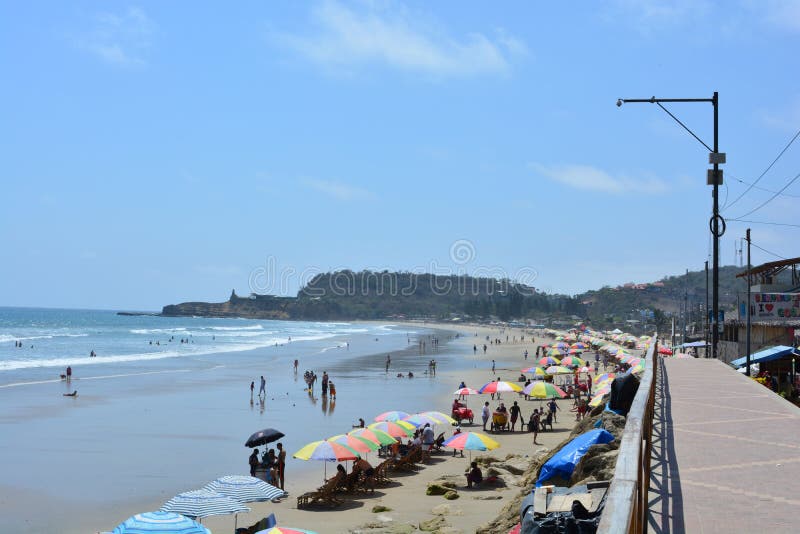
[[352, 295]]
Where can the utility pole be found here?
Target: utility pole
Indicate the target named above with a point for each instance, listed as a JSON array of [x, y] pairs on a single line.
[[707, 312], [685, 305], [747, 369]]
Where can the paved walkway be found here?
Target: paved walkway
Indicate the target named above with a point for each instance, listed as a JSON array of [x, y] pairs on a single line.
[[726, 453]]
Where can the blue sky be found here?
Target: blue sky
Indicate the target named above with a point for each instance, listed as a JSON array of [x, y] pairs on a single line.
[[157, 152]]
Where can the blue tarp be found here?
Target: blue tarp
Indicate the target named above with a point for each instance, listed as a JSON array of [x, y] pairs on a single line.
[[766, 355], [693, 344], [565, 460]]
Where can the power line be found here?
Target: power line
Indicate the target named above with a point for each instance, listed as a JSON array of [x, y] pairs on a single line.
[[766, 170], [770, 199], [767, 251], [762, 188], [764, 222]]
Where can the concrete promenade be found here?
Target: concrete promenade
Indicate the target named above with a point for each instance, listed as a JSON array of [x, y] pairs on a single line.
[[726, 453]]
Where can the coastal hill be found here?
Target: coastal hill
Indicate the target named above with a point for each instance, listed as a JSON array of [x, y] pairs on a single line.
[[350, 295]]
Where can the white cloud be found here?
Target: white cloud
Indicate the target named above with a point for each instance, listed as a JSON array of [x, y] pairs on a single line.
[[783, 14], [120, 39], [338, 190], [386, 34], [591, 178]]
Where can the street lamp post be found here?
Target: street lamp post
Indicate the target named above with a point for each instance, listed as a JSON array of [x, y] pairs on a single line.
[[714, 178]]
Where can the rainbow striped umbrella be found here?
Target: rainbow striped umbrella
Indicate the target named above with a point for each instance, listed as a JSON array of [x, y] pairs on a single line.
[[420, 419], [499, 386], [328, 451], [536, 371], [543, 390], [579, 345], [471, 441], [465, 391], [374, 435], [555, 352], [573, 361], [442, 417], [549, 360], [355, 442], [604, 377], [396, 430], [597, 400], [393, 415], [558, 370]]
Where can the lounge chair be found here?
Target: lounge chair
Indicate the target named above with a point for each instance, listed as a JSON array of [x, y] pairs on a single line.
[[407, 462], [381, 474], [325, 493]]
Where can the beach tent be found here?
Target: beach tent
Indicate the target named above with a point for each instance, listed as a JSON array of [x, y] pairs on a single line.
[[766, 355], [564, 461]]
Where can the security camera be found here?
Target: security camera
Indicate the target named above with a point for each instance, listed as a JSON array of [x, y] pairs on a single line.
[[619, 102]]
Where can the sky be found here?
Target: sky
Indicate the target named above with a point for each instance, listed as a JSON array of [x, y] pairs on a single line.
[[160, 152]]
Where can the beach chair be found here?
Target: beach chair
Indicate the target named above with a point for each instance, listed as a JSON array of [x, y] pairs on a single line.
[[325, 493], [381, 474], [407, 462], [439, 441]]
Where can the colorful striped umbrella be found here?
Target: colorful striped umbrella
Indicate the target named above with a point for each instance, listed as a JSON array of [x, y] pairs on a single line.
[[579, 345], [420, 419], [597, 400], [354, 442], [160, 522], [586, 370], [393, 415], [373, 434], [395, 429], [558, 370], [561, 345], [465, 391], [555, 352], [536, 371], [573, 361], [442, 417], [202, 503], [603, 377], [328, 451], [549, 360], [471, 441], [245, 488], [543, 390], [499, 386]]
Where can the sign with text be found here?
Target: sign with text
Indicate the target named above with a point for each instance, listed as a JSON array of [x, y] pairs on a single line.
[[774, 306]]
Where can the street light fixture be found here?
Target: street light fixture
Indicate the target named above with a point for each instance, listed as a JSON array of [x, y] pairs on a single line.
[[714, 178]]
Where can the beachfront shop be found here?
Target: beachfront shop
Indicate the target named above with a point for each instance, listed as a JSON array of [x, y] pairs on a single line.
[[776, 368]]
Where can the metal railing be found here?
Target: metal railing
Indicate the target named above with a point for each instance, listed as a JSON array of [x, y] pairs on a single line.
[[626, 507]]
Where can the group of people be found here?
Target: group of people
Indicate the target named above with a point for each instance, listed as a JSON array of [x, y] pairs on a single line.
[[273, 464]]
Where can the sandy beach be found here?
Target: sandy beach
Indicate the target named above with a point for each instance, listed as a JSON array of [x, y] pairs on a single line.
[[406, 496]]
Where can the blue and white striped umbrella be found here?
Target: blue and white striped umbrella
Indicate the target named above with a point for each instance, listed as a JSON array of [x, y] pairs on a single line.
[[245, 488], [160, 522], [203, 503]]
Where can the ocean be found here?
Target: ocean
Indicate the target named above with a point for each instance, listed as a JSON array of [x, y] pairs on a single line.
[[155, 416]]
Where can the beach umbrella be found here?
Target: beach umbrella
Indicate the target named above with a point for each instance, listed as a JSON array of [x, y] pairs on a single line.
[[443, 418], [585, 369], [603, 378], [160, 522], [499, 386], [471, 441], [245, 488], [561, 345], [536, 371], [328, 451], [575, 351], [262, 437], [285, 530], [633, 362], [420, 419], [465, 391], [597, 400], [555, 352], [573, 361], [355, 442], [558, 370], [549, 360], [543, 390], [374, 435], [202, 503], [579, 345], [395, 429], [393, 415]]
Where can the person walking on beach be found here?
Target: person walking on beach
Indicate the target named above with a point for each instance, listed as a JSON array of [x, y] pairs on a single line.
[[553, 407], [296, 363], [534, 425], [324, 383], [492, 366], [69, 373], [252, 389], [516, 413], [281, 464], [263, 389], [388, 361], [485, 414]]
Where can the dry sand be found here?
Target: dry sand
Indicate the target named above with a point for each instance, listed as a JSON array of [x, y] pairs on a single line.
[[406, 496]]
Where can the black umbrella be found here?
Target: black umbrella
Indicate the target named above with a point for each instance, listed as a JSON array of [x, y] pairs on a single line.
[[262, 437]]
